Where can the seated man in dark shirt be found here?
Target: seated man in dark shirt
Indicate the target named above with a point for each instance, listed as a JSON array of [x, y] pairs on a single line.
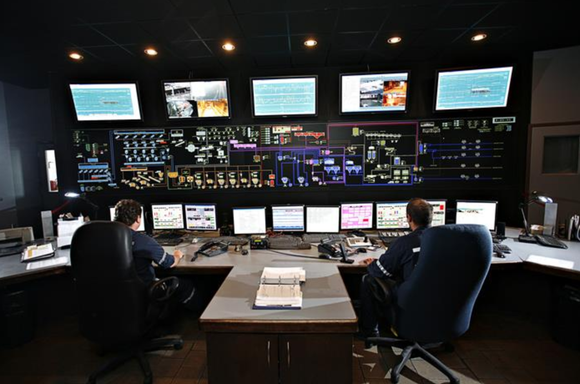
[[146, 250], [395, 265]]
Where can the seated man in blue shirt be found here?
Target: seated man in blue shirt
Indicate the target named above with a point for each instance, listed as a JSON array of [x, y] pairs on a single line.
[[146, 250], [395, 265]]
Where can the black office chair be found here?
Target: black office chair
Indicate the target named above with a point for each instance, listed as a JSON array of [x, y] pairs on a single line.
[[435, 304], [117, 310]]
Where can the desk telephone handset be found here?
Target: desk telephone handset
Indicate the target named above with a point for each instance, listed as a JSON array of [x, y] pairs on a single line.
[[212, 248], [333, 249]]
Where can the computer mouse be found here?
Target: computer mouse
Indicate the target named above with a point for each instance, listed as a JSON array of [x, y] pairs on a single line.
[[361, 250], [498, 253], [324, 256], [244, 252]]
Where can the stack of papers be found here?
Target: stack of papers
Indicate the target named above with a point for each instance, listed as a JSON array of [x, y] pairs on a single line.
[[280, 288], [35, 252]]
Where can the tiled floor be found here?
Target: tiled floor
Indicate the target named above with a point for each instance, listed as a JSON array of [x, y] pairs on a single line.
[[497, 349]]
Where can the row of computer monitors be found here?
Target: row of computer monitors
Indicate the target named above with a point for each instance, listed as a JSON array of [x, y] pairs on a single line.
[[314, 219]]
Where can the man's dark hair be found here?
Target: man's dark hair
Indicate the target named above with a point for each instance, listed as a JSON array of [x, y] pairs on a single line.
[[127, 211], [421, 212]]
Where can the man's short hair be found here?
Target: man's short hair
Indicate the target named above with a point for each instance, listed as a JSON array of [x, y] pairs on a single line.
[[421, 212], [127, 211]]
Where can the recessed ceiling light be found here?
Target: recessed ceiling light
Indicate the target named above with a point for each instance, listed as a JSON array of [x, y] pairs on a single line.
[[310, 42], [75, 56], [228, 46], [151, 51], [479, 37], [394, 40]]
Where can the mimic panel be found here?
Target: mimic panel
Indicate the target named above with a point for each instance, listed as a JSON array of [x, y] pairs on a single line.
[[388, 154]]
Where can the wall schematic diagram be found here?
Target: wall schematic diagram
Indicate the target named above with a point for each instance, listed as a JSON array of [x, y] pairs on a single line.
[[388, 154]]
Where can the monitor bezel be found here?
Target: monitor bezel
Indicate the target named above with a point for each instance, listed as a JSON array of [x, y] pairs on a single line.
[[227, 80], [372, 203], [253, 233], [142, 216], [199, 205], [74, 109], [341, 75], [288, 206], [320, 206], [166, 229], [252, 106], [377, 214], [479, 201], [462, 69]]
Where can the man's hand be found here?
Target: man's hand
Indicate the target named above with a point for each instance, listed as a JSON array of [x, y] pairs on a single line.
[[367, 261], [177, 255]]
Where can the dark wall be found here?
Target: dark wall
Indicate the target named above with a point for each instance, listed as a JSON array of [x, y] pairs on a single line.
[[8, 217], [421, 94]]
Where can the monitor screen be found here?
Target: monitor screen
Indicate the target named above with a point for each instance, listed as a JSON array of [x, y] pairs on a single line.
[[472, 89], [322, 219], [373, 92], [438, 212], [250, 221], [141, 226], [167, 216], [197, 99], [106, 102], [284, 96], [356, 215], [392, 215], [288, 218], [200, 217], [476, 212]]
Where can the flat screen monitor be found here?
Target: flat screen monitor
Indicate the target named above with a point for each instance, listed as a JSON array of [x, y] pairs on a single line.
[[476, 212], [141, 226], [250, 221], [392, 215], [322, 219], [373, 92], [356, 215], [439, 208], [200, 217], [284, 96], [288, 218], [197, 99], [167, 216], [472, 89], [106, 102]]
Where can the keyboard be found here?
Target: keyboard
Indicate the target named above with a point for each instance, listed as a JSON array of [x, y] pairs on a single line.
[[394, 234], [550, 241], [316, 237], [503, 248], [287, 242], [168, 238], [233, 240]]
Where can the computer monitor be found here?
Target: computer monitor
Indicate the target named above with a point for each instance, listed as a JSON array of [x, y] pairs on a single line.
[[200, 217], [472, 89], [288, 218], [106, 102], [167, 216], [392, 215], [141, 226], [476, 212], [439, 208], [249, 221], [322, 219], [381, 92], [197, 99], [284, 96], [356, 215]]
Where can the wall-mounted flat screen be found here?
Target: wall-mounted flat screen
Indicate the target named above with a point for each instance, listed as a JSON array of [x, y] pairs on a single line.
[[284, 96], [373, 92], [473, 89], [197, 99], [106, 102], [200, 217]]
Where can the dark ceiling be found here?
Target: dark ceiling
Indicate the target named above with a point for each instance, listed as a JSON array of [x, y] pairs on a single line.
[[35, 36]]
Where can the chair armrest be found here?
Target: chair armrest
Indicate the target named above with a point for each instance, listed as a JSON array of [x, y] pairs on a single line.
[[163, 289]]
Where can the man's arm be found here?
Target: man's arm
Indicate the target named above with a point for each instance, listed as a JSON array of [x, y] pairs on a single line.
[[158, 255], [386, 265]]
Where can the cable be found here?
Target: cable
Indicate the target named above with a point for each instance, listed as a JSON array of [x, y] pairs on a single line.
[[293, 254]]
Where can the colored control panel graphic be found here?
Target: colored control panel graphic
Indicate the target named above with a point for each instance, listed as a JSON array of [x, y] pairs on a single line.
[[388, 154]]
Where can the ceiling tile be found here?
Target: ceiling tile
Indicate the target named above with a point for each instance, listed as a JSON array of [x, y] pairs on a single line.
[[245, 6], [273, 60], [309, 59], [437, 37], [125, 33], [361, 20], [345, 58], [189, 8], [297, 42], [258, 45], [170, 30], [263, 24], [463, 16], [85, 36], [191, 49], [217, 27], [353, 40], [312, 22]]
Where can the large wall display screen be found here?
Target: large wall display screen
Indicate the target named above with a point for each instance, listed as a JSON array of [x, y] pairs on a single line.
[[106, 102], [193, 99], [287, 96], [373, 93]]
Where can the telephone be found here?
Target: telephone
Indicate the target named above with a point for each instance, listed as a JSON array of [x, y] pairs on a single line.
[[212, 248], [356, 241], [330, 248]]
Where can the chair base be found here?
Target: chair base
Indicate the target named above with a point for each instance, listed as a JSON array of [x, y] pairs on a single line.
[[138, 353], [413, 349]]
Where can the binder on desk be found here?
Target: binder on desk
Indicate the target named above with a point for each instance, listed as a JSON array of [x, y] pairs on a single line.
[[37, 252], [280, 288]]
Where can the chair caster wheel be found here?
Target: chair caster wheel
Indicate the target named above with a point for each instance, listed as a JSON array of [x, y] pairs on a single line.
[[178, 346], [395, 379]]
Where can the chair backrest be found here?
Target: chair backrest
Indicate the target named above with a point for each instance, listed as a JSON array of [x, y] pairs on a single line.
[[113, 300], [436, 302]]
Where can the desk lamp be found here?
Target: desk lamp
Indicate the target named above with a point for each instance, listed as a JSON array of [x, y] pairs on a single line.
[[81, 196], [534, 198]]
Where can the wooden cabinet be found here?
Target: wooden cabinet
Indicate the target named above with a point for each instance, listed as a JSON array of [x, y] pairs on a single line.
[[279, 358]]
